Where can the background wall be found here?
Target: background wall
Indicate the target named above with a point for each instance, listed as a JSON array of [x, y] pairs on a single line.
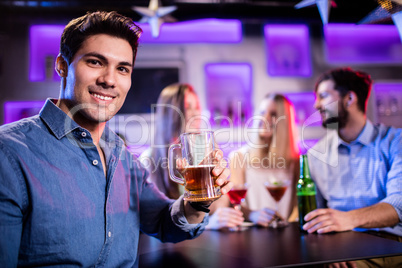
[[15, 84]]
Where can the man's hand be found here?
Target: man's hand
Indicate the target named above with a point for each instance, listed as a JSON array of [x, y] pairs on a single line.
[[222, 172], [328, 220]]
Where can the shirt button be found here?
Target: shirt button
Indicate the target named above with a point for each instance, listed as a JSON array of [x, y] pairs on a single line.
[[95, 162], [84, 134], [109, 234]]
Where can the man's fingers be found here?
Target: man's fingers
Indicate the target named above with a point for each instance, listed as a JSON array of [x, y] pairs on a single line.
[[218, 154], [222, 177], [315, 213], [226, 187]]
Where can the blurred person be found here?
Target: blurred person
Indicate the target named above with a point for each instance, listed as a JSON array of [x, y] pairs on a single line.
[[176, 105], [178, 111], [70, 192], [271, 151], [357, 166]]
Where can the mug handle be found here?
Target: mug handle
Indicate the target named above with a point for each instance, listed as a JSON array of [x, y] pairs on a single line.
[[171, 162]]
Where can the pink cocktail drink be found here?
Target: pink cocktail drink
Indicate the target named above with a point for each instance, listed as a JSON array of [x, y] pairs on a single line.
[[236, 195]]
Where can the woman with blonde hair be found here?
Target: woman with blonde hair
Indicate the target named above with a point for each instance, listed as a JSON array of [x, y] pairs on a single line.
[[271, 150], [178, 111]]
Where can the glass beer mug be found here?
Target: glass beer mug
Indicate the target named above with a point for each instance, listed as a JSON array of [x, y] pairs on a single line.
[[195, 166]]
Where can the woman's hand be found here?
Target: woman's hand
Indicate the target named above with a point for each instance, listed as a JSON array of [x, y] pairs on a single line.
[[225, 217], [262, 217]]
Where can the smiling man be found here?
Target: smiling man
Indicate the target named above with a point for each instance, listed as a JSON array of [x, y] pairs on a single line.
[[71, 194], [357, 166]]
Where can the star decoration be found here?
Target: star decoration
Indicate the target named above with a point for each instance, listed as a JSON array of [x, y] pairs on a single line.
[[384, 11], [387, 9], [397, 18], [323, 6], [154, 15]]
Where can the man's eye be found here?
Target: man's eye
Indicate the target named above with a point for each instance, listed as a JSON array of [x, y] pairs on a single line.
[[93, 62], [124, 69], [323, 95]]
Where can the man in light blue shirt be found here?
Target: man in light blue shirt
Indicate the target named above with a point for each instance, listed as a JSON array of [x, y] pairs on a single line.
[[71, 194], [357, 166]]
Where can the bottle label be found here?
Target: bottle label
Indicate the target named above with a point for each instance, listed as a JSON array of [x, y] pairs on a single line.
[[306, 192]]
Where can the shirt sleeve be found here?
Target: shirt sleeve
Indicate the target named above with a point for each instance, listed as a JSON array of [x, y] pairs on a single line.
[[394, 176], [164, 218], [13, 198]]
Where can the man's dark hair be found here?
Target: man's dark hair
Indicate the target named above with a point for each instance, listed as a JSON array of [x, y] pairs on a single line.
[[99, 22], [347, 80]]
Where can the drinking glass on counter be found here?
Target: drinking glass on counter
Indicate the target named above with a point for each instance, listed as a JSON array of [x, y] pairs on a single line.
[[277, 186], [237, 195]]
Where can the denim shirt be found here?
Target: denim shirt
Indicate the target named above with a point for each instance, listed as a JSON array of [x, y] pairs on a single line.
[[361, 173], [57, 208]]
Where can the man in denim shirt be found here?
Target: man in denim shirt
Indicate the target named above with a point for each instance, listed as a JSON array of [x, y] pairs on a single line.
[[70, 192]]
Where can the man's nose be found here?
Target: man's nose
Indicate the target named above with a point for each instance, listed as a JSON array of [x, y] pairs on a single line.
[[108, 78], [317, 104]]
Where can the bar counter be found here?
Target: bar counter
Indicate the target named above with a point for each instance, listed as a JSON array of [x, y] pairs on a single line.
[[264, 247]]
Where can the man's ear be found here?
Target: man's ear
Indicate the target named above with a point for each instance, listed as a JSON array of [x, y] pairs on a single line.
[[350, 99], [61, 66]]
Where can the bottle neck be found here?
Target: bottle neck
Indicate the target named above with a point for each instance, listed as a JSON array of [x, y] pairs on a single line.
[[304, 169]]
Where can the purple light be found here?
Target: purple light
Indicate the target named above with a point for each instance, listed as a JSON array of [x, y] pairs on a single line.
[[288, 50], [381, 88], [234, 81], [44, 42], [350, 43], [305, 145], [16, 110], [195, 31]]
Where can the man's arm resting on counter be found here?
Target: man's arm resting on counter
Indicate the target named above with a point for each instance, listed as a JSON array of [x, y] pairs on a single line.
[[331, 220], [375, 216]]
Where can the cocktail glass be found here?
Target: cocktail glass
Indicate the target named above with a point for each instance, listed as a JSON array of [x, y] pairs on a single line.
[[237, 195], [277, 188]]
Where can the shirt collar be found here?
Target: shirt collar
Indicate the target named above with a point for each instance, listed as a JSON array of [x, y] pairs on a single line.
[[61, 124], [57, 120], [364, 136]]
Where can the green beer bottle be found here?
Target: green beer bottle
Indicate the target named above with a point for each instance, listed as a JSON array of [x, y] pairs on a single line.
[[305, 191]]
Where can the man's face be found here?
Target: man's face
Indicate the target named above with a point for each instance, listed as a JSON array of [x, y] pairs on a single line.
[[330, 105], [98, 79]]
